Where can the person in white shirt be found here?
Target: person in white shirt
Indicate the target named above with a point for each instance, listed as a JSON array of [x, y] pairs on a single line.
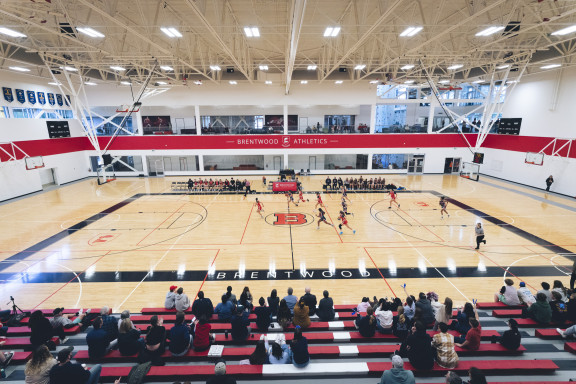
[[508, 294], [525, 295]]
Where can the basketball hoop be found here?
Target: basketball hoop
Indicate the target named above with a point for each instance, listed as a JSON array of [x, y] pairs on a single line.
[[534, 158], [125, 108], [34, 162]]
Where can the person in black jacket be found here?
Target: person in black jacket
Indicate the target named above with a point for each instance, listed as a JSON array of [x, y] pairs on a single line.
[[129, 339], [202, 306], [42, 331], [419, 347], [511, 338], [427, 313], [366, 325], [65, 372], [155, 342], [263, 317], [325, 309], [273, 302], [180, 338], [240, 324], [310, 301]]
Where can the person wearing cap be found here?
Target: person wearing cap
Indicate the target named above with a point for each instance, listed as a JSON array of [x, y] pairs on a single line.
[[170, 301], [66, 372], [59, 321], [240, 325], [397, 375], [524, 294], [220, 376]]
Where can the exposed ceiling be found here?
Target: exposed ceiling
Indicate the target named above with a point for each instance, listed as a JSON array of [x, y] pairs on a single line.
[[291, 38]]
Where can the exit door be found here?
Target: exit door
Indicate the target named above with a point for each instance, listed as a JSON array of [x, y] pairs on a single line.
[[452, 165], [416, 164]]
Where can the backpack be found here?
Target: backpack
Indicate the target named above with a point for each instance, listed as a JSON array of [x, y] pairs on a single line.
[[138, 373]]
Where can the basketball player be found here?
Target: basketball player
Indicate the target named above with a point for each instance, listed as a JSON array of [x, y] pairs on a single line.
[[322, 219], [259, 207], [443, 204], [345, 207], [301, 196], [342, 217], [319, 200], [393, 199], [345, 194], [290, 197]]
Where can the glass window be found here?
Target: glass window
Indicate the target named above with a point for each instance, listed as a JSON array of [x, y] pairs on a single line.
[[4, 112], [118, 166], [234, 162], [390, 161], [108, 128]]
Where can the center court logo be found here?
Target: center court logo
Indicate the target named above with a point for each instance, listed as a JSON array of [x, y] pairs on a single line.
[[285, 141], [290, 219]]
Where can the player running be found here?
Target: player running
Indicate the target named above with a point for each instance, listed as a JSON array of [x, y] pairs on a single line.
[[259, 207], [345, 207], [443, 204], [345, 194], [342, 217], [319, 200], [393, 199], [322, 219], [301, 196], [290, 198]]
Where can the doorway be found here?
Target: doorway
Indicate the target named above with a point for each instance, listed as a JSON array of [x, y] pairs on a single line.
[[452, 165], [277, 163], [312, 162], [416, 164]]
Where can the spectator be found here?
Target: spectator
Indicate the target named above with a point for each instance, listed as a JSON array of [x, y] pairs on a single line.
[[559, 308], [384, 317], [310, 301], [572, 308], [366, 325], [409, 308], [180, 337], [240, 325], [170, 300], [273, 302], [453, 378], [462, 322], [433, 298], [291, 300], [202, 336], [246, 299], [225, 309], [301, 317], [259, 356], [38, 368], [446, 356], [426, 311], [263, 317], [109, 323], [129, 339], [41, 331], [325, 309], [401, 327], [419, 347], [473, 337], [124, 315], [284, 317], [220, 376], [545, 290], [61, 321], [202, 306], [230, 296], [444, 313], [508, 294], [182, 300], [397, 375], [525, 296], [364, 304], [155, 342], [540, 310], [65, 372], [98, 342], [299, 348], [278, 352], [476, 376], [559, 287], [511, 339]]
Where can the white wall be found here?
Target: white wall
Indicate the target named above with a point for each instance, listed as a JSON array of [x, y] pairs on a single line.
[[17, 181], [32, 129], [68, 166]]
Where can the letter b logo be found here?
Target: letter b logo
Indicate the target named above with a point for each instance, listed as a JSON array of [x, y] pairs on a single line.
[[290, 219]]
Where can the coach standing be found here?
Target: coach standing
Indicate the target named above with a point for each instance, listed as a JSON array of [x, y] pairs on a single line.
[[549, 182], [479, 235]]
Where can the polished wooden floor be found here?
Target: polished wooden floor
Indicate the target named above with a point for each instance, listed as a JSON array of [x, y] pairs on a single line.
[[127, 257]]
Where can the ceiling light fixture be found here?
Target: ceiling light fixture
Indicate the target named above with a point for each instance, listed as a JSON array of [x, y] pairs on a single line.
[[215, 68], [478, 81], [268, 82], [550, 66], [374, 82], [117, 68], [331, 31], [512, 82], [233, 82], [490, 31], [166, 68], [90, 83], [53, 83], [304, 82], [360, 67], [503, 66], [171, 32], [312, 67], [455, 66], [69, 69], [561, 32], [252, 31], [409, 82], [410, 31], [407, 67], [125, 83], [10, 32], [263, 67], [444, 81], [89, 31], [338, 82], [198, 82], [161, 82], [19, 69]]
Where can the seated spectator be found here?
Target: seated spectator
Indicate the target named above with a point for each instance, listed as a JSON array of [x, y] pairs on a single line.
[[462, 322], [366, 325], [363, 306], [446, 356], [511, 339], [572, 308], [453, 378], [508, 294], [263, 317], [426, 312], [230, 296], [220, 376], [180, 337], [170, 301], [98, 343], [259, 356], [109, 323], [59, 320], [325, 310], [240, 325], [202, 336], [409, 308], [309, 301], [225, 309], [397, 375], [129, 338], [124, 315], [540, 311], [246, 299], [291, 300], [202, 306], [301, 317], [278, 352], [433, 299], [182, 300], [473, 337], [155, 342], [38, 368], [559, 308], [66, 373], [476, 376], [559, 287], [273, 302], [545, 290], [299, 348], [402, 325], [419, 348], [41, 331], [284, 317], [384, 317], [525, 296], [444, 313]]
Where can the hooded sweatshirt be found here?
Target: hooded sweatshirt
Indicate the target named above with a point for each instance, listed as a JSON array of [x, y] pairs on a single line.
[[397, 376], [182, 302], [170, 298]]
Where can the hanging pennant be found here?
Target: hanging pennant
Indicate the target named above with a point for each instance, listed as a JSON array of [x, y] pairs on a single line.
[[51, 99], [31, 97], [59, 99], [20, 96], [8, 96], [41, 98]]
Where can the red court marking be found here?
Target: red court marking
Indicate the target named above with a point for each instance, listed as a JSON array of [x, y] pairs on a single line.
[[248, 220], [203, 281], [506, 270], [72, 279], [386, 281], [172, 214], [334, 226], [441, 239]]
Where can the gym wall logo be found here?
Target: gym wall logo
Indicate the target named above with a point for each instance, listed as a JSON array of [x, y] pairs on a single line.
[[102, 239], [286, 141], [291, 218]]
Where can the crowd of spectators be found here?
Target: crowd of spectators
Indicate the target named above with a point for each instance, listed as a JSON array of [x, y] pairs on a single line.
[[200, 185], [357, 183]]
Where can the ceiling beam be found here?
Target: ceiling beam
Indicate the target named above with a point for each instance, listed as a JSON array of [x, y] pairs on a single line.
[[297, 19]]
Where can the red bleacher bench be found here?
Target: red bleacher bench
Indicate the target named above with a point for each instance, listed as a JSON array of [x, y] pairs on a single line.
[[169, 318], [498, 305], [22, 343], [530, 323], [548, 334], [570, 347], [25, 331], [507, 313], [21, 358]]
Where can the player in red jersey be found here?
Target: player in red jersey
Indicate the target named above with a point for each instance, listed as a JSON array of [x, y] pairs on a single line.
[[322, 218], [393, 199], [301, 196], [342, 217], [259, 207], [319, 200], [443, 204]]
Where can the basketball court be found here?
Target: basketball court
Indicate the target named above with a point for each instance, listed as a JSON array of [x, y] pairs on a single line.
[[124, 243]]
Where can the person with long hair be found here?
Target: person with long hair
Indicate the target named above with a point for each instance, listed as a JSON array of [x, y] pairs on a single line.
[[444, 314], [299, 348], [366, 325], [41, 330], [284, 317], [246, 299], [476, 376], [401, 326], [273, 302], [263, 317], [278, 352], [557, 286], [511, 339], [384, 317], [38, 368], [202, 336], [259, 356], [462, 322], [322, 218], [129, 338], [301, 316]]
